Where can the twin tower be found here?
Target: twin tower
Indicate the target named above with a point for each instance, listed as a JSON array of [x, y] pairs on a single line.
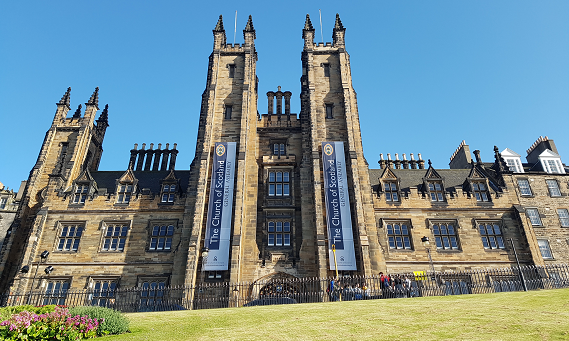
[[286, 168]]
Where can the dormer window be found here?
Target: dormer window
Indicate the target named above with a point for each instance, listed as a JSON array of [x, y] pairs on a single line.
[[390, 189], [551, 162], [168, 193], [480, 191], [552, 166], [512, 160], [436, 191], [80, 193], [124, 193]]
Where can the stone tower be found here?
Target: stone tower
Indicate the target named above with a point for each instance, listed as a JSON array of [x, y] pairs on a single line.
[[228, 114], [329, 112], [71, 145]]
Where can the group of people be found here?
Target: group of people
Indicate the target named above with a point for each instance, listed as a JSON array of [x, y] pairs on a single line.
[[397, 286], [347, 292]]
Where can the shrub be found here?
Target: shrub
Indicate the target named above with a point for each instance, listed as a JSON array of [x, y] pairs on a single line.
[[56, 325], [114, 321], [7, 312]]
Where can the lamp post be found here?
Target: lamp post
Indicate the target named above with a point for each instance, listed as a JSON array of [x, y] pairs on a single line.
[[426, 244], [43, 259]]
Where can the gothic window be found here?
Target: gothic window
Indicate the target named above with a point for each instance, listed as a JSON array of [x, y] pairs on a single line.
[[534, 217], [278, 233], [329, 112], [399, 235], [124, 193], [228, 112], [168, 193], [436, 191], [80, 194], [544, 249], [279, 183], [445, 236], [279, 149], [231, 68], [69, 237], [563, 217], [524, 187], [480, 191], [553, 187], [151, 292], [391, 192], [161, 237], [326, 70], [115, 236], [104, 291], [491, 235], [56, 291]]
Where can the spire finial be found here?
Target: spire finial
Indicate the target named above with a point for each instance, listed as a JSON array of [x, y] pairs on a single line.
[[430, 163], [219, 26], [104, 117], [78, 112], [338, 25], [94, 100], [308, 24], [249, 27], [65, 99]]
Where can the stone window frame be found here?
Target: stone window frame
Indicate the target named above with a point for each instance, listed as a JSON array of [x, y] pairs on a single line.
[[326, 68], [161, 222], [554, 186], [565, 218], [59, 226], [121, 195], [275, 170], [528, 187], [279, 148], [80, 193], [440, 195], [3, 202], [479, 193], [391, 192], [228, 111], [276, 216], [545, 248], [408, 223], [61, 295], [232, 68], [501, 226], [104, 226], [329, 111], [456, 228], [108, 299], [144, 293], [532, 218]]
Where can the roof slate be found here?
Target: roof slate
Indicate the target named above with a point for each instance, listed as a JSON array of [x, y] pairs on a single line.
[[146, 179]]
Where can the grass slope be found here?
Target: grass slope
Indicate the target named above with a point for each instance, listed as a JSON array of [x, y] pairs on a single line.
[[535, 315]]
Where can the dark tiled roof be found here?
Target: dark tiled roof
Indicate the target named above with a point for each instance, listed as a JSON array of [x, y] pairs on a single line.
[[146, 179], [414, 177]]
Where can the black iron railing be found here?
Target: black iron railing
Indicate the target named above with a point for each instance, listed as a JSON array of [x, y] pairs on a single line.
[[304, 290]]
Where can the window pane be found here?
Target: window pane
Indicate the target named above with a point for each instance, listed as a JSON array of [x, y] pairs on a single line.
[[155, 230], [485, 242], [435, 229], [279, 239], [271, 241], [271, 226], [170, 230], [271, 176], [389, 229], [153, 242], [287, 239], [439, 242], [396, 229], [279, 176], [399, 242], [75, 244], [500, 242], [279, 189], [271, 189], [440, 196], [446, 242], [285, 177], [407, 242], [482, 229], [286, 226], [392, 242], [395, 198], [285, 189], [388, 196], [279, 226]]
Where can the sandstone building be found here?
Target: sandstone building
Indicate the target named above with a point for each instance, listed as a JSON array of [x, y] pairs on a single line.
[[269, 195]]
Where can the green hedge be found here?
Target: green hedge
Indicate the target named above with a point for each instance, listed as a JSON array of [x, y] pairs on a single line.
[[7, 312], [115, 322]]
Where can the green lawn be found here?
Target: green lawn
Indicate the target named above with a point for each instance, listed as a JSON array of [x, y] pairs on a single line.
[[535, 315]]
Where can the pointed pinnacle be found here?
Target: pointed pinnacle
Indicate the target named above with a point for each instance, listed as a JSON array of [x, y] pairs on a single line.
[[65, 99], [104, 117], [338, 25], [219, 26], [77, 112], [249, 27], [94, 100], [308, 24]]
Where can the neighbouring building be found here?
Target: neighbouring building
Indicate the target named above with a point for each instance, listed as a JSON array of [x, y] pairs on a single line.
[[270, 195], [9, 201]]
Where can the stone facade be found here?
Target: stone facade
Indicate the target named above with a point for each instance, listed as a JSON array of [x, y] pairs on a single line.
[[145, 223], [9, 201]]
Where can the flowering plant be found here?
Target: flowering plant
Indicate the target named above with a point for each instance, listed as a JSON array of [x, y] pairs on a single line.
[[57, 325]]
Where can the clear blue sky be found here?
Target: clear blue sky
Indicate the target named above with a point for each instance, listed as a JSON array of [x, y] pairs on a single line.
[[428, 74]]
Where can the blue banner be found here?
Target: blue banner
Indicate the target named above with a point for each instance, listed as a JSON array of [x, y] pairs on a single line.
[[338, 215], [220, 209]]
